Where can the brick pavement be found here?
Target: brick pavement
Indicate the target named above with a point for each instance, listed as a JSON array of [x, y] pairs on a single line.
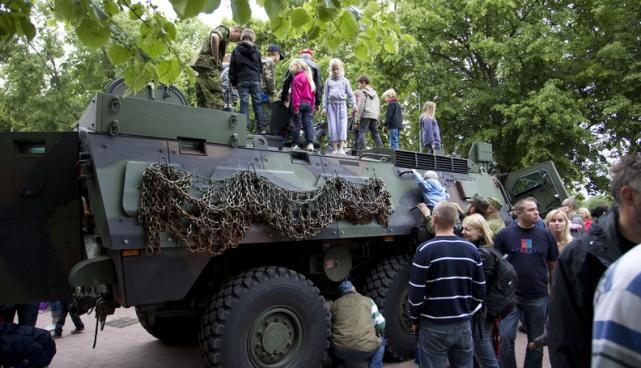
[[131, 346]]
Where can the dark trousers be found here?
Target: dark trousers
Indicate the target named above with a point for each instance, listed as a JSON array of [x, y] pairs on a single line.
[[27, 313], [370, 125]]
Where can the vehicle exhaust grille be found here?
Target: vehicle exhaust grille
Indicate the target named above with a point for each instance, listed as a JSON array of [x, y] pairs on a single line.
[[428, 161]]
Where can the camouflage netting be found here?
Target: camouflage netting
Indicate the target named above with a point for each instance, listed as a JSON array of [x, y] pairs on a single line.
[[214, 215]]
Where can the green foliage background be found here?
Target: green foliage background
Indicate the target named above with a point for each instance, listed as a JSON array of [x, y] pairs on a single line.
[[539, 79]]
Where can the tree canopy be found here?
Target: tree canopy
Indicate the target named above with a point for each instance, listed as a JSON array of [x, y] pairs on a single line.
[[538, 79]]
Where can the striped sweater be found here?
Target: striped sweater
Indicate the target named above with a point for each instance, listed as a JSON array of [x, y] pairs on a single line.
[[616, 335], [446, 281]]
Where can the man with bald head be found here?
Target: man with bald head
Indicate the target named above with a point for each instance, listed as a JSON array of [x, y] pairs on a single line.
[[446, 288]]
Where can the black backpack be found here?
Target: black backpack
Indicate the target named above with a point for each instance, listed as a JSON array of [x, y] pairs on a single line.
[[500, 295]]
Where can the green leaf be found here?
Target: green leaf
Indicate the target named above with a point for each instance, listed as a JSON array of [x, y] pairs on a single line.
[[325, 14], [188, 8], [211, 5], [332, 42], [65, 9], [92, 33], [168, 70], [110, 7], [280, 27], [136, 11], [313, 33], [28, 29], [152, 46], [274, 7], [241, 12], [362, 52], [371, 9], [168, 29], [391, 43], [349, 26], [119, 54], [299, 17]]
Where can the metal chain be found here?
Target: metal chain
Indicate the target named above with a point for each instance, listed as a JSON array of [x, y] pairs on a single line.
[[213, 216]]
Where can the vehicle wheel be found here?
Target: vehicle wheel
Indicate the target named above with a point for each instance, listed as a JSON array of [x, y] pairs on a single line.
[[267, 317], [387, 285], [170, 330]]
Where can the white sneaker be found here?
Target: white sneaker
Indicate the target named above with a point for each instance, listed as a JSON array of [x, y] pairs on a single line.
[[310, 147], [50, 327], [342, 152], [295, 147]]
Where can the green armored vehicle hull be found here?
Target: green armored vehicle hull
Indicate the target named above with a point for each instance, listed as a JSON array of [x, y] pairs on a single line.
[[217, 236]]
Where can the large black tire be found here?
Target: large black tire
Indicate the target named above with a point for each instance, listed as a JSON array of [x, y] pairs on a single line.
[[268, 317], [387, 285], [170, 330]]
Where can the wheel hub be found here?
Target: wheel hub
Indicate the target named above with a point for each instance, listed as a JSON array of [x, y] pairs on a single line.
[[275, 338]]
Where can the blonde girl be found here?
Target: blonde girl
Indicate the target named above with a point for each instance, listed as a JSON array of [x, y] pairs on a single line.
[[336, 98], [477, 231], [302, 102], [430, 131]]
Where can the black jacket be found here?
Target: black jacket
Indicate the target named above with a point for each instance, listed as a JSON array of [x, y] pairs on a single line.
[[245, 64], [393, 115], [318, 81], [576, 276]]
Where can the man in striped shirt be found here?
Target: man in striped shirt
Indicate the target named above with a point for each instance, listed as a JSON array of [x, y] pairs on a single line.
[[446, 288], [616, 334]]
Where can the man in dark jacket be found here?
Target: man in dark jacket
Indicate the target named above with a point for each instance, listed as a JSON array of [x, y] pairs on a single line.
[[583, 262], [245, 69]]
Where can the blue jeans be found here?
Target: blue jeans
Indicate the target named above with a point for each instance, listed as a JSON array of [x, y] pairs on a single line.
[[534, 313], [340, 356], [483, 349], [63, 310], [438, 341], [246, 88], [303, 118], [393, 139]]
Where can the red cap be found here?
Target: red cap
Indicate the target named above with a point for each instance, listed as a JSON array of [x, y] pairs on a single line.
[[307, 51]]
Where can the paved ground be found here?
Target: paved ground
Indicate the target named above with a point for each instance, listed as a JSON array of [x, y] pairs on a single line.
[[124, 343]]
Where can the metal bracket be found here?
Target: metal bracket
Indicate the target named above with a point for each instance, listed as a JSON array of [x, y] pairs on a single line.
[[114, 128]]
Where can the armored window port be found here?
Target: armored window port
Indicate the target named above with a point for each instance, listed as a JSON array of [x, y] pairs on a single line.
[[192, 146], [30, 147]]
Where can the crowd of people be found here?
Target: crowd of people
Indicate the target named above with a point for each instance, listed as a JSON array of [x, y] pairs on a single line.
[[222, 80], [569, 279]]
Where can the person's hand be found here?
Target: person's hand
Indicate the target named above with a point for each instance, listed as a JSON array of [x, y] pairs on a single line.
[[323, 112], [424, 210], [413, 328], [317, 109], [532, 346]]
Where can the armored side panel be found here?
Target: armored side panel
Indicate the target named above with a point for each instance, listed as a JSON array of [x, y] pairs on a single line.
[[541, 181], [117, 115], [40, 215]]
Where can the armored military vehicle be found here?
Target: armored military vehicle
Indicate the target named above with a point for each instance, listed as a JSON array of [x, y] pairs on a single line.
[[218, 236]]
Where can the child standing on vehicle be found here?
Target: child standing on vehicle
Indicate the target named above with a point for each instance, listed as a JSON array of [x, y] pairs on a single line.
[[302, 102], [336, 98], [245, 69], [393, 118], [430, 131]]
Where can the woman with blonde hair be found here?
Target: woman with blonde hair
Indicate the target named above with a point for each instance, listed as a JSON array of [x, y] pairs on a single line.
[[477, 231], [559, 224], [430, 131]]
